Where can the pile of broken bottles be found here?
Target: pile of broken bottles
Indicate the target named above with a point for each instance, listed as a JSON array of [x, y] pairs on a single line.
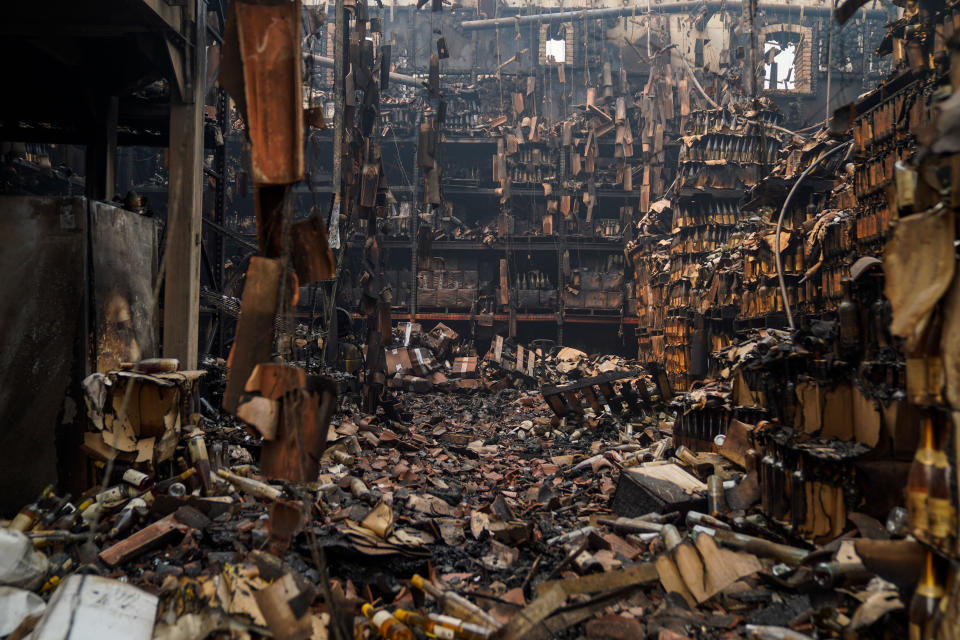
[[481, 515]]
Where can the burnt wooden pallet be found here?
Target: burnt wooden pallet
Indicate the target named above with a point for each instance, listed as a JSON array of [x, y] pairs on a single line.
[[622, 391]]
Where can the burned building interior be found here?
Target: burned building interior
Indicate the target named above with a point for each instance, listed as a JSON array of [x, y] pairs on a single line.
[[480, 319]]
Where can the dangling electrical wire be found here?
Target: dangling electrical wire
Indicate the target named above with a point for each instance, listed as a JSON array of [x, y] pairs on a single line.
[[783, 211]]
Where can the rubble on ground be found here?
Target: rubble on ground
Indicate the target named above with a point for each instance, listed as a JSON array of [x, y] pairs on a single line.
[[608, 523]]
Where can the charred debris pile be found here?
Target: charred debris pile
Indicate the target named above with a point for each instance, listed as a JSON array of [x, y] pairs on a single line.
[[778, 462]]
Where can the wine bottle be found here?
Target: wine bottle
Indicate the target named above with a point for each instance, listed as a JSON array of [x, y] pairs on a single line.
[[941, 515], [798, 497], [925, 602], [919, 479], [455, 604], [849, 316], [444, 627], [386, 625]]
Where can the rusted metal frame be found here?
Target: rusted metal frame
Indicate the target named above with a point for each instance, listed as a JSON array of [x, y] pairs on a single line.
[[673, 7], [750, 71], [220, 195], [400, 78], [339, 73], [233, 235], [415, 225]]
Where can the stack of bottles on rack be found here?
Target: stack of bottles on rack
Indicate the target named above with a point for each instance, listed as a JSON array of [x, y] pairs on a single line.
[[720, 158], [853, 410], [447, 288], [657, 115], [649, 256], [535, 290]]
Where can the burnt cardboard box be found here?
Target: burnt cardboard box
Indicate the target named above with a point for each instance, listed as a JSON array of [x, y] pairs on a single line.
[[573, 300], [464, 367], [398, 361], [415, 384], [528, 298], [422, 362], [446, 297], [442, 336], [426, 297], [659, 489], [466, 296]]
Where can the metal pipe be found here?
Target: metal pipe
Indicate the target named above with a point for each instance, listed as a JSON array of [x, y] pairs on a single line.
[[783, 211], [324, 61], [673, 7]]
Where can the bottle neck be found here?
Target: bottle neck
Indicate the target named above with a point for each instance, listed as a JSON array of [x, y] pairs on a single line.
[[929, 441], [929, 571]]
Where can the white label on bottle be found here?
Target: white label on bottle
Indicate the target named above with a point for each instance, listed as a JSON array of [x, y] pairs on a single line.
[[444, 633], [380, 618], [134, 477]]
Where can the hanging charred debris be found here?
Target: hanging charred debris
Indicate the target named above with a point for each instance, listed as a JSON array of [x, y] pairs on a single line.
[[475, 320]]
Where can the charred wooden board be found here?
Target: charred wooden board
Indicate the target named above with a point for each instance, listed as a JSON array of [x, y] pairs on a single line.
[[622, 391]]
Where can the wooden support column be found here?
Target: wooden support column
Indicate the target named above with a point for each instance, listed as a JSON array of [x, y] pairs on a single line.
[[340, 37], [101, 160], [181, 302]]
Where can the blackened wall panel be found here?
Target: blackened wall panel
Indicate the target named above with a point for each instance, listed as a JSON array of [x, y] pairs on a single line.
[[41, 310]]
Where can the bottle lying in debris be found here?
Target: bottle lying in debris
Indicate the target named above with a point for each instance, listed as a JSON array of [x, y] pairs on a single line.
[[128, 517], [695, 518], [386, 625], [116, 495], [29, 515], [941, 514], [631, 525], [358, 489], [716, 499], [444, 627], [197, 447], [164, 485], [254, 487], [456, 605], [342, 457], [137, 479], [758, 546], [833, 574]]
